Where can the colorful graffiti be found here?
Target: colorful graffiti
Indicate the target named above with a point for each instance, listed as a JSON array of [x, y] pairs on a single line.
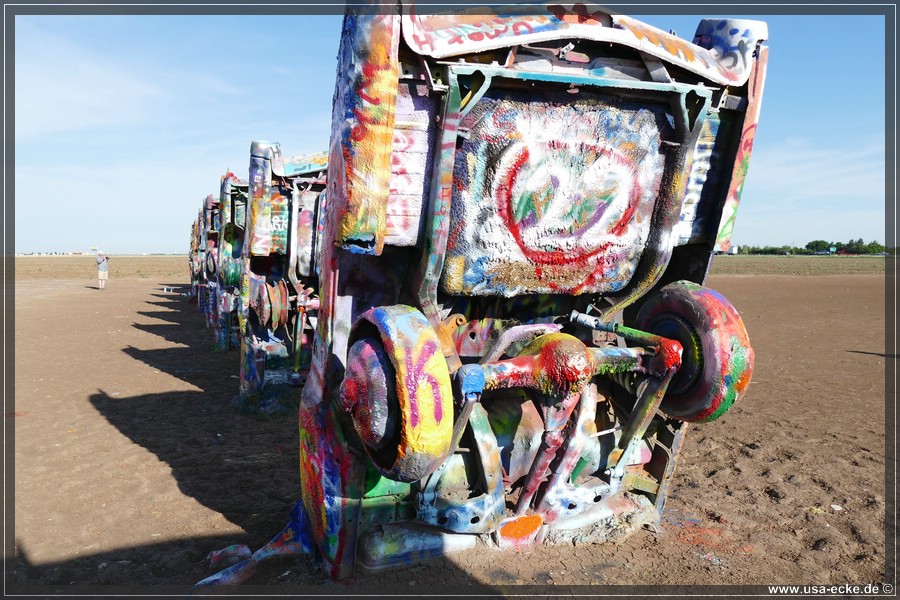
[[481, 224], [366, 100], [732, 43], [722, 51], [742, 161], [194, 258], [203, 259], [410, 164], [551, 197], [277, 299], [404, 366], [432, 32], [232, 204]]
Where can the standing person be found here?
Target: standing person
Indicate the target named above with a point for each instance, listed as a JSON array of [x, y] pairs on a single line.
[[102, 270]]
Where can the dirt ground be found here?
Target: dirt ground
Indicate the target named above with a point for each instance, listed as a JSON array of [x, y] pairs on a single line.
[[131, 466]]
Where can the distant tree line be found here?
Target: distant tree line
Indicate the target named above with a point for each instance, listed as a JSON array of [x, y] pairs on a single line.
[[857, 246]]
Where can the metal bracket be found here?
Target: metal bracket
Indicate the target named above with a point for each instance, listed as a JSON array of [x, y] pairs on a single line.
[[438, 87], [656, 68]]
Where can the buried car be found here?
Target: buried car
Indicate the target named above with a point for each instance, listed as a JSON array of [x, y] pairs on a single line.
[[278, 296], [195, 258], [233, 197], [513, 332], [208, 257]]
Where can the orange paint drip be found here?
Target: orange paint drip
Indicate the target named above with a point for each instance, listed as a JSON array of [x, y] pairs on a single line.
[[743, 382], [522, 528]]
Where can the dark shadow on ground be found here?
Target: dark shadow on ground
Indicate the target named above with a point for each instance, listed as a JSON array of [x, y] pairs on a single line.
[[170, 332], [237, 465], [167, 315], [241, 466], [172, 569], [176, 287], [881, 354], [165, 302]]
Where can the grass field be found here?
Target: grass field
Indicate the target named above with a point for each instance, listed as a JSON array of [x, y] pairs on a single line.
[[174, 269], [797, 265], [165, 269]]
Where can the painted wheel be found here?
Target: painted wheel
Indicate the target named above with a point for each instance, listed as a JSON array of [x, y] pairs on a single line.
[[278, 295], [231, 272], [369, 394], [262, 304], [397, 391], [211, 263], [717, 362]]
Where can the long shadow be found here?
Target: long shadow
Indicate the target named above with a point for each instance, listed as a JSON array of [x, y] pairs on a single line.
[[165, 315], [176, 563], [240, 466], [172, 568], [882, 355], [168, 295], [164, 303], [170, 332]]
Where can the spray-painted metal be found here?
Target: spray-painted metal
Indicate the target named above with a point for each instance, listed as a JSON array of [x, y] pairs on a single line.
[[194, 258], [233, 200], [278, 299], [204, 259], [512, 332]]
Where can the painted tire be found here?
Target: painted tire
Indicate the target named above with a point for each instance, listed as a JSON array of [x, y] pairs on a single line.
[[717, 362], [211, 265], [231, 272], [407, 432], [278, 296], [262, 304], [369, 394]]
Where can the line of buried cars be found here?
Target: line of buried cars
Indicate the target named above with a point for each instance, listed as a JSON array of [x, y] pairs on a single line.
[[491, 286], [253, 270]]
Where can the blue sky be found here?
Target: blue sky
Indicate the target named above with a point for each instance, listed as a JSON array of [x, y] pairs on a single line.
[[125, 123]]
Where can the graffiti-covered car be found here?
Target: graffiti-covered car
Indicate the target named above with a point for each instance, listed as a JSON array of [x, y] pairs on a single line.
[[208, 256], [194, 258], [279, 300], [513, 331], [233, 198]]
